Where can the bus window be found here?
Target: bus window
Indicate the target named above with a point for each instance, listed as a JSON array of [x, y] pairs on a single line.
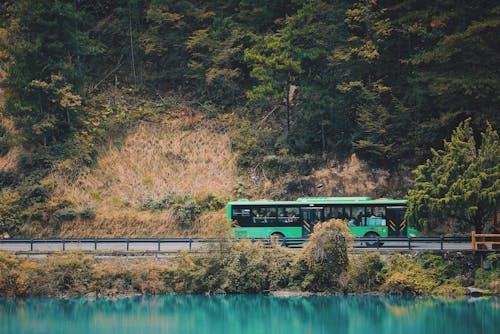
[[288, 215], [264, 215], [270, 216], [375, 216], [257, 216], [340, 213], [379, 211], [241, 212], [358, 216], [329, 213]]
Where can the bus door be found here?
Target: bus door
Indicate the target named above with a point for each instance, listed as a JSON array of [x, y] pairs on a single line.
[[310, 217], [396, 222]]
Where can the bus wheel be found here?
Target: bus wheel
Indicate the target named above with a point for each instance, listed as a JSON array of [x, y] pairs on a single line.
[[372, 243], [279, 238]]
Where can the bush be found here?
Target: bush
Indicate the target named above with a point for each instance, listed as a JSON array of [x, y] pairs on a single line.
[[184, 207], [240, 267], [4, 147], [110, 281], [366, 273], [324, 258], [427, 274], [71, 275], [10, 206], [489, 278]]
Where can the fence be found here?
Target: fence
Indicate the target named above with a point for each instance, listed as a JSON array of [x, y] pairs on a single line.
[[174, 245], [485, 239]]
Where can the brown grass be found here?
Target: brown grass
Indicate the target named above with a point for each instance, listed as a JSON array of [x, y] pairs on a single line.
[[152, 161], [10, 160], [353, 177]]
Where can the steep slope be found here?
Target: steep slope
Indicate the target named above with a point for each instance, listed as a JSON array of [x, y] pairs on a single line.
[[153, 160]]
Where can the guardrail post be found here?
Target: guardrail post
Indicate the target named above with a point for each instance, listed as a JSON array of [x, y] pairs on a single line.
[[190, 242], [409, 242], [378, 242], [473, 241], [63, 245], [31, 245], [95, 244], [159, 245], [128, 242], [442, 240]]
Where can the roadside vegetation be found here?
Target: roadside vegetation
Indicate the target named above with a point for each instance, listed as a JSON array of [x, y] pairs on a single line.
[[108, 108], [323, 266]]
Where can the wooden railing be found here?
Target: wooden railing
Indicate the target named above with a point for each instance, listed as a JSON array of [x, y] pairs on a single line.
[[485, 239]]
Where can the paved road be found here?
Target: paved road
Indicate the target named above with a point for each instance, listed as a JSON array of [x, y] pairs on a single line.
[[175, 245]]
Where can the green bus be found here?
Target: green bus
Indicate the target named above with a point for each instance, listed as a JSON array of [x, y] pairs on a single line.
[[365, 217]]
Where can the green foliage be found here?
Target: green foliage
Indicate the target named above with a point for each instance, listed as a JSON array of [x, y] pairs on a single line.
[[240, 267], [185, 207], [44, 82], [324, 258], [10, 205], [231, 267], [426, 274], [460, 182], [404, 276], [366, 273], [489, 278], [387, 80]]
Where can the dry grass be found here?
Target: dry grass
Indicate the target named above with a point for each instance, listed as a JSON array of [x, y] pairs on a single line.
[[353, 177], [10, 160], [152, 161]]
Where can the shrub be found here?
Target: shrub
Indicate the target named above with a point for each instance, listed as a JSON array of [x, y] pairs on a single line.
[[149, 279], [366, 273], [324, 258], [4, 147], [70, 275], [489, 278], [184, 207], [234, 267], [423, 275], [87, 213], [110, 280], [10, 206]]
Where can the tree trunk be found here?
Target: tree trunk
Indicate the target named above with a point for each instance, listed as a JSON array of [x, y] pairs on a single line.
[[287, 108]]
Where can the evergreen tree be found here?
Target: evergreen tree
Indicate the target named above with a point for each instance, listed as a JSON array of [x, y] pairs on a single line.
[[45, 79], [459, 184]]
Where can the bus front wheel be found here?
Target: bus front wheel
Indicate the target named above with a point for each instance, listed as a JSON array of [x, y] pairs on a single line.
[[372, 243]]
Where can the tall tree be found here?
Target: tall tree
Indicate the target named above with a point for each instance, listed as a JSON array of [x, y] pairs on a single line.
[[460, 183], [45, 80]]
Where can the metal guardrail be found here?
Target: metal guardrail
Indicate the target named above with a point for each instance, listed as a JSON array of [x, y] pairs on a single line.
[[189, 243], [100, 241]]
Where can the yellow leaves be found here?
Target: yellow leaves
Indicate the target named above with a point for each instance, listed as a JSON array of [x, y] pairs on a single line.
[[368, 51], [60, 92], [39, 84], [349, 86], [68, 99]]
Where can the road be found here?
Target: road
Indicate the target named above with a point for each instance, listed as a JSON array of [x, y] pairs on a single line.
[[176, 245]]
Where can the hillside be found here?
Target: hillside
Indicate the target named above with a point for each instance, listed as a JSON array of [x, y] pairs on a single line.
[[153, 160], [184, 156], [131, 115]]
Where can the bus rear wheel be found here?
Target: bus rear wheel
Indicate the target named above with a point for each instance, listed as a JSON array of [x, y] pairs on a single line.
[[372, 243], [279, 238]]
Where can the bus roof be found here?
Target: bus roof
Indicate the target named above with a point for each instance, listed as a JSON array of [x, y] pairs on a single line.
[[326, 201]]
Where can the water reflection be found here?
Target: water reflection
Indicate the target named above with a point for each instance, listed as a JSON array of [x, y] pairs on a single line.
[[250, 314]]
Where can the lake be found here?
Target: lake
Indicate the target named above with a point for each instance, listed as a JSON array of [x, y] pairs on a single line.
[[250, 314]]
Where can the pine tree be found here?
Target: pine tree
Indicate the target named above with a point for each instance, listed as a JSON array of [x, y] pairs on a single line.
[[45, 79], [459, 184]]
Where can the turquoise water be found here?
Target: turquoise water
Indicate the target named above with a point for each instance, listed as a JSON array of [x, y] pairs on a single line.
[[250, 314]]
